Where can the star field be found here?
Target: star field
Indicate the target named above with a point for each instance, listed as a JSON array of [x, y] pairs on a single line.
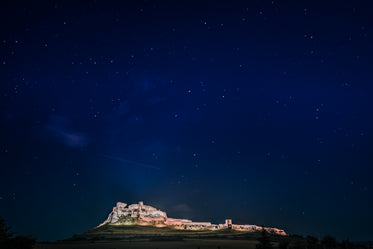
[[257, 111]]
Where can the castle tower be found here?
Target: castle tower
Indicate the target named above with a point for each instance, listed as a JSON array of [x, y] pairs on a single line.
[[228, 223], [141, 204]]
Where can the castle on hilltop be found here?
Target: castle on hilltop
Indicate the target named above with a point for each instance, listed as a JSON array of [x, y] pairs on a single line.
[[140, 214]]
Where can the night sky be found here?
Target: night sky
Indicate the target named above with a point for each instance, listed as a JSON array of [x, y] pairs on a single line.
[[258, 111]]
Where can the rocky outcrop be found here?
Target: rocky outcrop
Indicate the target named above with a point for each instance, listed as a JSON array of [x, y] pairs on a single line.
[[140, 214], [134, 213]]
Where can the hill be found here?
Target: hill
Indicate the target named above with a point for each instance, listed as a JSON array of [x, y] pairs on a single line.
[[149, 237]]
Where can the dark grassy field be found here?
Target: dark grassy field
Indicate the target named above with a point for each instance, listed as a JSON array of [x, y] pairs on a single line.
[[187, 243], [149, 237], [119, 237]]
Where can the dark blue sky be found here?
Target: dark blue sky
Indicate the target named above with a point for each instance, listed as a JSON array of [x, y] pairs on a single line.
[[258, 111]]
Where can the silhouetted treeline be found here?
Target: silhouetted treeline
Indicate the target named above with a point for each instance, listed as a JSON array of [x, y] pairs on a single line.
[[264, 241], [9, 241], [309, 242]]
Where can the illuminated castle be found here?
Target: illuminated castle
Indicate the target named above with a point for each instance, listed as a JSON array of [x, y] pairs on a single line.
[[140, 214]]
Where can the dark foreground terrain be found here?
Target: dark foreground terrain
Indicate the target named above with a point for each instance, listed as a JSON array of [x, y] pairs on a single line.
[[147, 237], [187, 243], [118, 237]]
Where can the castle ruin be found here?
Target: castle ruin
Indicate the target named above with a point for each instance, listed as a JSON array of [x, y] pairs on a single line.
[[144, 215]]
